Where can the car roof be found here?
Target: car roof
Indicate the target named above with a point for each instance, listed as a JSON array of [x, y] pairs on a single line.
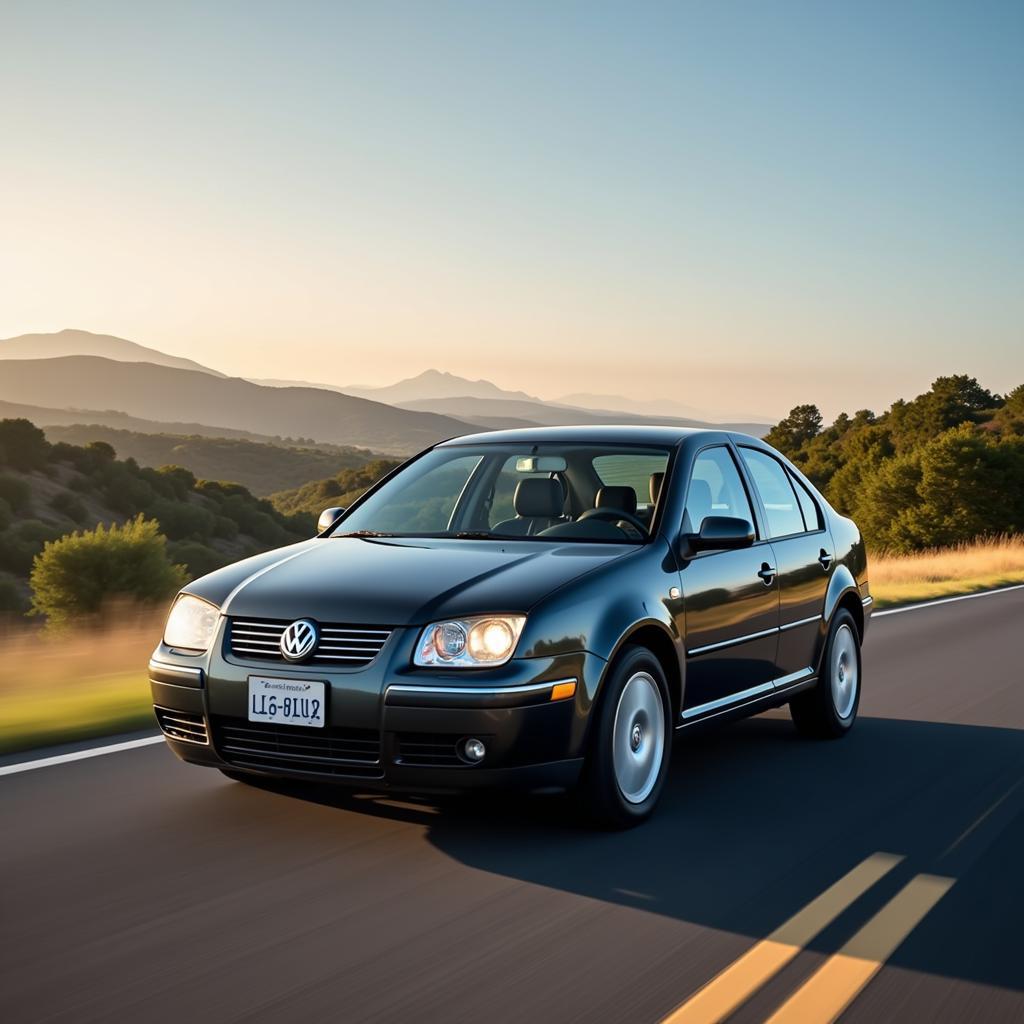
[[595, 434]]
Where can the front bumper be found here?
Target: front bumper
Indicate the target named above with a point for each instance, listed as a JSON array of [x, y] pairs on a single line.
[[389, 726]]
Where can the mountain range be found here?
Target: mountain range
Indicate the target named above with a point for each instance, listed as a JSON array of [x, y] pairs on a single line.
[[78, 377]]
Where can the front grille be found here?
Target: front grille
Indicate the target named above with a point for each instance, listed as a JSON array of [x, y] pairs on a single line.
[[428, 749], [328, 751], [340, 645], [181, 725]]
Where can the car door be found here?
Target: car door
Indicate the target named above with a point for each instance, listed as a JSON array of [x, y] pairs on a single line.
[[731, 608], [796, 528]]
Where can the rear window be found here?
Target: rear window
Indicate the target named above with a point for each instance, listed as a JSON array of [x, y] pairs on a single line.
[[630, 469]]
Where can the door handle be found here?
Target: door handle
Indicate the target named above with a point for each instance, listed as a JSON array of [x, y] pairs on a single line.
[[825, 558], [767, 573]]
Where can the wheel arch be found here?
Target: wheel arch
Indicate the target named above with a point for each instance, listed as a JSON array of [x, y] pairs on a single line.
[[665, 646]]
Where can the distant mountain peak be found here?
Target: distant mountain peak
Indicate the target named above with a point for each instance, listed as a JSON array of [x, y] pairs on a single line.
[[435, 384], [72, 341]]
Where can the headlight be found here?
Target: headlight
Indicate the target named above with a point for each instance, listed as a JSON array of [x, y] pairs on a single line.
[[470, 643], [191, 624]]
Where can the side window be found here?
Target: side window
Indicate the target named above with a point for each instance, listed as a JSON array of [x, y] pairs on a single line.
[[809, 507], [772, 483], [715, 490]]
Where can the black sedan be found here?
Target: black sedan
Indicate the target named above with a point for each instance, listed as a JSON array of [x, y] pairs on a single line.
[[544, 608]]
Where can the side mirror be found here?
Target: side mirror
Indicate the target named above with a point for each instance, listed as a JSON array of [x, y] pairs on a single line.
[[328, 518], [721, 533]]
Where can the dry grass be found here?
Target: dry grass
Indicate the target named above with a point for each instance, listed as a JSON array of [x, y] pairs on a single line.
[[963, 569], [55, 688]]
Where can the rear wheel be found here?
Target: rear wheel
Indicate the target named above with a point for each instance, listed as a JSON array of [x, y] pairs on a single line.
[[631, 740], [830, 709]]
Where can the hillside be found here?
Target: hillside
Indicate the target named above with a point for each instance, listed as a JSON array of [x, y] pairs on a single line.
[[49, 490], [85, 343], [44, 417], [507, 412], [262, 468], [165, 393], [341, 489]]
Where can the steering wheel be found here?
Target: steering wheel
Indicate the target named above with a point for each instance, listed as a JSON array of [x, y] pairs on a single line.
[[613, 515]]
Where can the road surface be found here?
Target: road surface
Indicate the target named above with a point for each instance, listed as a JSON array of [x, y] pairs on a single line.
[[883, 873]]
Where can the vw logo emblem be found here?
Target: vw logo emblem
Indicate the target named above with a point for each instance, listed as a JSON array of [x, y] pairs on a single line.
[[298, 640]]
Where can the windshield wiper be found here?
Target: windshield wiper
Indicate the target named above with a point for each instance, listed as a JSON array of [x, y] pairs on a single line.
[[477, 535], [366, 533]]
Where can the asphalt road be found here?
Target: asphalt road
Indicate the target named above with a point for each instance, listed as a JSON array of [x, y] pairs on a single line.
[[137, 888]]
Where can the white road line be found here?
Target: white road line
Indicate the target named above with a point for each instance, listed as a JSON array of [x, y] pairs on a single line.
[[78, 755], [946, 600]]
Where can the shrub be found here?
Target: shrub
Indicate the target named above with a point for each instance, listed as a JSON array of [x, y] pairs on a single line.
[[76, 575], [68, 505], [6, 515], [21, 542], [197, 558], [15, 491], [23, 445], [180, 520]]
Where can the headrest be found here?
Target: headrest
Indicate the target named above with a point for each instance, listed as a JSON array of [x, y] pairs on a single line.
[[537, 497], [657, 479], [623, 498]]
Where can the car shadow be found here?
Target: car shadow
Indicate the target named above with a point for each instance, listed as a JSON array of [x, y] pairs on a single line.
[[756, 822]]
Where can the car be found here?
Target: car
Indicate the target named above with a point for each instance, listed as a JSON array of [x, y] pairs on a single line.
[[546, 608]]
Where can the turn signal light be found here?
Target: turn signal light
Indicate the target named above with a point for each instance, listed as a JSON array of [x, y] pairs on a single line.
[[563, 691]]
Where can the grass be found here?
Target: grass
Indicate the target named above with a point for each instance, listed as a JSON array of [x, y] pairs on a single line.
[[57, 688], [946, 572]]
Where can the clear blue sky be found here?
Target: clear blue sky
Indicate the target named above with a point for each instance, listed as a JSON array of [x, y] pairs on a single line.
[[739, 205]]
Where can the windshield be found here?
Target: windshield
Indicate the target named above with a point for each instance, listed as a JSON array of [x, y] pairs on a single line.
[[540, 492]]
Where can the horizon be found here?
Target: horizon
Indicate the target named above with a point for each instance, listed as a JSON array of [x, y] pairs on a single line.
[[354, 196]]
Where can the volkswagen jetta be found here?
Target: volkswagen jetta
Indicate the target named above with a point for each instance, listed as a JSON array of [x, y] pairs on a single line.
[[545, 608]]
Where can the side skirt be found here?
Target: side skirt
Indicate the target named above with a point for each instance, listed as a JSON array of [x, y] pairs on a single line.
[[750, 702]]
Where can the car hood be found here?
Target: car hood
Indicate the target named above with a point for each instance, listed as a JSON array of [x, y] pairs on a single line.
[[401, 581]]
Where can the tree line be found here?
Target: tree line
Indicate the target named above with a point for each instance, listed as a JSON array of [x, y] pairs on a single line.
[[944, 468]]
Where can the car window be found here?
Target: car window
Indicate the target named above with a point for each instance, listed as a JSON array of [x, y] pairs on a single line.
[[502, 507], [772, 483], [426, 502], [808, 506], [630, 470], [715, 490]]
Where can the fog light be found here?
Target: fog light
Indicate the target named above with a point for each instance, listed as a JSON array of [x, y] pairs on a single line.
[[474, 750]]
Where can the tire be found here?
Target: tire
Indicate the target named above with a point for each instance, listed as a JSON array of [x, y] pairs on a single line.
[[830, 709], [630, 743]]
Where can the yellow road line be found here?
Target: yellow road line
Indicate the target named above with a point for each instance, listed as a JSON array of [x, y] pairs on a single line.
[[738, 982], [842, 977]]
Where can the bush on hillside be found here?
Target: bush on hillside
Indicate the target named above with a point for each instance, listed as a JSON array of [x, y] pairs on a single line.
[[23, 446], [197, 558], [77, 574], [15, 491]]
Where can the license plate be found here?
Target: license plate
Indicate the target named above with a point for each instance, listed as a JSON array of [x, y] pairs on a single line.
[[286, 701]]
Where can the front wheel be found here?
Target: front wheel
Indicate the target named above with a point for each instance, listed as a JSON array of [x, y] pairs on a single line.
[[830, 709], [631, 742]]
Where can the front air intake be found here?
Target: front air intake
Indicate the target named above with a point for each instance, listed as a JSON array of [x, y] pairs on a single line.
[[182, 726]]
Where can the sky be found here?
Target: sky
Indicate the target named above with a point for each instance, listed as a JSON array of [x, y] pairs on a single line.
[[740, 206]]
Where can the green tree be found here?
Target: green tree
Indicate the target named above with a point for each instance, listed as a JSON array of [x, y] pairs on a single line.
[[74, 576], [23, 445], [950, 402], [802, 424], [1010, 418]]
